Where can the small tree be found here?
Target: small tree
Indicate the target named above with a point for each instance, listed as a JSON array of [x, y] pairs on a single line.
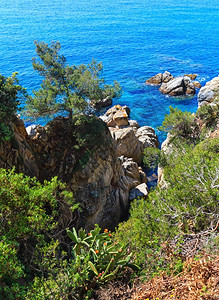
[[11, 94], [181, 125], [66, 88]]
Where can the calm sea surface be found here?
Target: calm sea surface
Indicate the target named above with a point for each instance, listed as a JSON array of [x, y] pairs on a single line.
[[133, 39]]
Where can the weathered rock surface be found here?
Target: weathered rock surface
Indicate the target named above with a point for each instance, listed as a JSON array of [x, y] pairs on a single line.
[[114, 112], [208, 92], [102, 103], [131, 143], [197, 84], [160, 78], [140, 191], [121, 118], [130, 139], [100, 180], [191, 76], [178, 86], [31, 130], [19, 153]]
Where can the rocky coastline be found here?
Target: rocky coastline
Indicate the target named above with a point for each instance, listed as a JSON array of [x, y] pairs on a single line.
[[208, 96], [112, 175], [105, 184]]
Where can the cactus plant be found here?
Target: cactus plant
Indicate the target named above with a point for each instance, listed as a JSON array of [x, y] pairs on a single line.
[[99, 253]]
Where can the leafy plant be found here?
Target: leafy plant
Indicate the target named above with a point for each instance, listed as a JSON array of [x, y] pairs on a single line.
[[11, 94], [209, 114], [100, 255], [189, 204], [181, 124], [29, 228], [66, 88]]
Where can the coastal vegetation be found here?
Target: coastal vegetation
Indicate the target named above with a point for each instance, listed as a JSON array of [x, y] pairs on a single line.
[[11, 94], [43, 254], [66, 88]]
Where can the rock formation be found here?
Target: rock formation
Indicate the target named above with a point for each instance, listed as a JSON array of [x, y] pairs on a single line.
[[18, 152], [102, 103], [178, 86], [160, 78], [130, 139], [97, 170], [208, 93]]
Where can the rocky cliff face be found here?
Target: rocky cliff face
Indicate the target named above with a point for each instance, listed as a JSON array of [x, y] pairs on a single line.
[[18, 152], [100, 178]]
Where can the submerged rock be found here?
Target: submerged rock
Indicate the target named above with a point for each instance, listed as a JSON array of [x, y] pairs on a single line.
[[102, 103]]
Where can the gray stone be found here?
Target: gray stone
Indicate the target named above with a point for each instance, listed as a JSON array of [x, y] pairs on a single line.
[[178, 86], [208, 92], [31, 130], [160, 78], [138, 192], [167, 77]]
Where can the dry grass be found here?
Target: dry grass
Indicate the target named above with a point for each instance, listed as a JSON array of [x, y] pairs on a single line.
[[198, 280]]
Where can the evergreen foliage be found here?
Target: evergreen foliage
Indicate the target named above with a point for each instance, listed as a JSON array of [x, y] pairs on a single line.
[[29, 214], [66, 88], [186, 204], [181, 124], [11, 94]]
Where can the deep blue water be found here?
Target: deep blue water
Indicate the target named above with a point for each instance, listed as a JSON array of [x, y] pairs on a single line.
[[133, 39]]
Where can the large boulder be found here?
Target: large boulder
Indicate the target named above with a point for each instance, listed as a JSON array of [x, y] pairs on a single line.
[[178, 86], [127, 143], [131, 142], [121, 118], [147, 137], [116, 116], [208, 92], [160, 78], [130, 139]]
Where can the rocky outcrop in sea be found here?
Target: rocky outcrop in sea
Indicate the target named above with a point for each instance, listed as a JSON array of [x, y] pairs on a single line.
[[178, 86]]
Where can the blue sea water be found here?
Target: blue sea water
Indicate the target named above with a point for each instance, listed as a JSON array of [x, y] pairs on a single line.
[[134, 39]]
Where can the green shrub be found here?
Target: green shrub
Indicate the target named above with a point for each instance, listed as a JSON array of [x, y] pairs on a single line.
[[181, 125], [209, 114], [11, 94], [189, 204], [29, 228], [95, 260], [151, 157]]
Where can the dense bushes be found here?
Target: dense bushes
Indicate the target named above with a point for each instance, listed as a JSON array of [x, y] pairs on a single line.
[[11, 94], [37, 258], [187, 203], [29, 227]]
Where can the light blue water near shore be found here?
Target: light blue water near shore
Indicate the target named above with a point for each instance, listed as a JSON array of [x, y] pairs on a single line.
[[133, 39]]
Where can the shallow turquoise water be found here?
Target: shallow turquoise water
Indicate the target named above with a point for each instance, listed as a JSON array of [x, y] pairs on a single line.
[[133, 39]]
